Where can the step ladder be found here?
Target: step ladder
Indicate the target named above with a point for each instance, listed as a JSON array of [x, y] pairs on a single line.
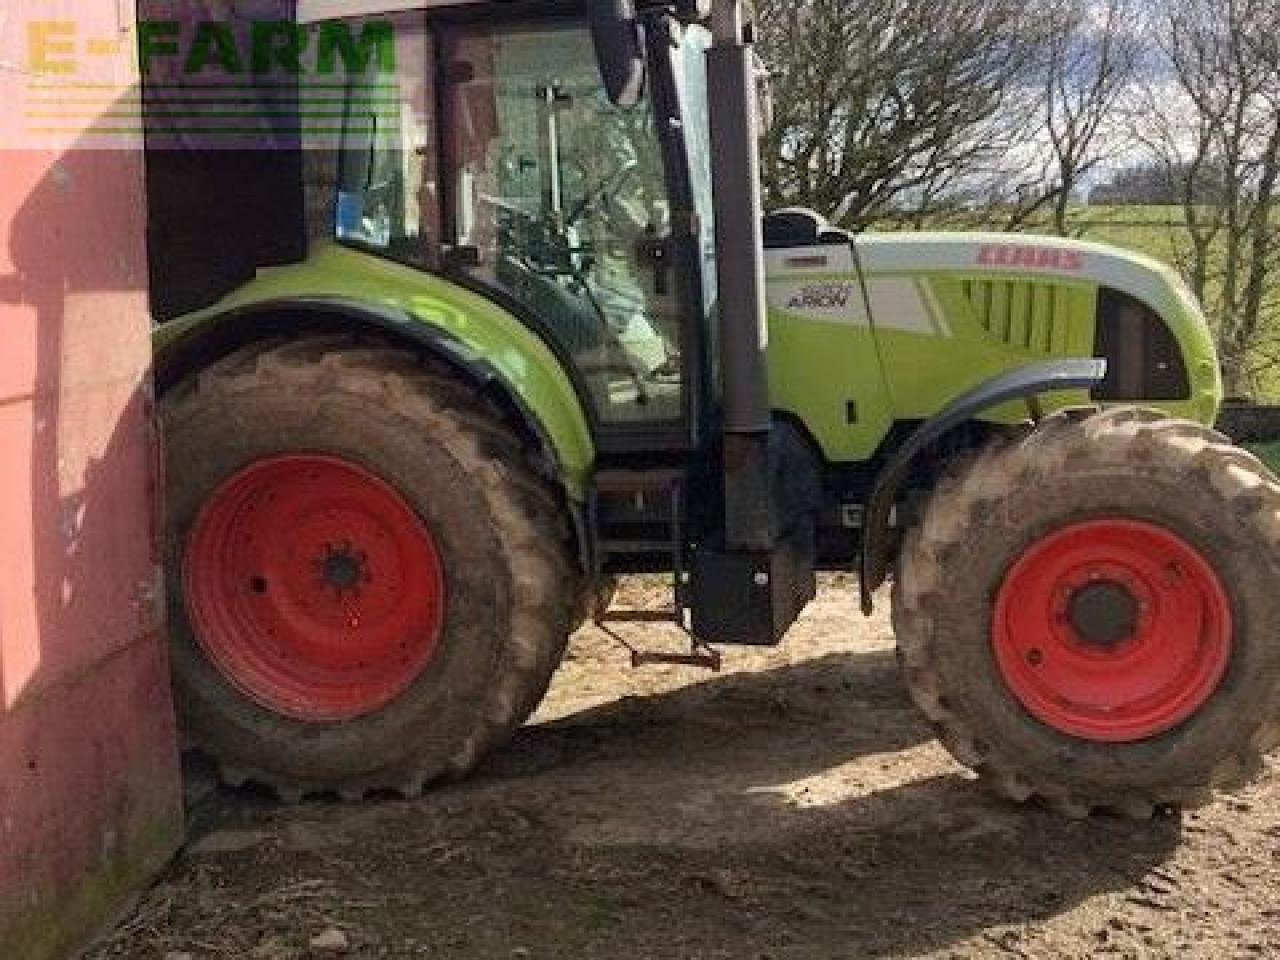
[[670, 485]]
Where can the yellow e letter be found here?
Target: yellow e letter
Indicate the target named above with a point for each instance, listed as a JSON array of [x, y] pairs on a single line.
[[45, 40]]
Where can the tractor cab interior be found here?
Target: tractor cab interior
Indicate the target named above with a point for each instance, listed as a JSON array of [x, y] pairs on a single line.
[[561, 200], [495, 156]]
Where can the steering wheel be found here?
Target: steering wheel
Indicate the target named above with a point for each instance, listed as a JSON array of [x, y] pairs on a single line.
[[610, 185]]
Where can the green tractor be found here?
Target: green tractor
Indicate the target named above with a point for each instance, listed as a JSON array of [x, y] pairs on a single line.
[[546, 336]]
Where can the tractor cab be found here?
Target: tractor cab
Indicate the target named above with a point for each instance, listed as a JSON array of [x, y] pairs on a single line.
[[495, 154]]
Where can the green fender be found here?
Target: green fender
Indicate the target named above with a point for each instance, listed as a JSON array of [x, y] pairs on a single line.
[[413, 306]]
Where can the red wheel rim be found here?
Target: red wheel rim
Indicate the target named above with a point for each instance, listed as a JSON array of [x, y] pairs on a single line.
[[314, 588], [1112, 630]]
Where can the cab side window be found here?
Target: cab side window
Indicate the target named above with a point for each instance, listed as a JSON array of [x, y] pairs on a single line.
[[562, 200]]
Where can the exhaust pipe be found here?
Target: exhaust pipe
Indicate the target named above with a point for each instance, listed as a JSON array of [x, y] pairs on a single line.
[[731, 74]]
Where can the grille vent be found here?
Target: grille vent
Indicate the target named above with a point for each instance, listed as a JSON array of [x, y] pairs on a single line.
[[1029, 316]]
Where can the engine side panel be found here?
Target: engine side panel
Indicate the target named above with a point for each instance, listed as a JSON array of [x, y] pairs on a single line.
[[824, 366], [941, 335], [895, 327], [1000, 300]]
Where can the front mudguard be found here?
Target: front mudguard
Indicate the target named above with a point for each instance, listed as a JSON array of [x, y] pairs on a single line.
[[1026, 383]]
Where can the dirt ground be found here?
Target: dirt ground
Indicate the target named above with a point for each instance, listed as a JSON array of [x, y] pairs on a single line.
[[790, 807]]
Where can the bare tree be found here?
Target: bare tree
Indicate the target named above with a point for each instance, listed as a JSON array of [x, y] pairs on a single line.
[[891, 107], [1089, 59], [1211, 118]]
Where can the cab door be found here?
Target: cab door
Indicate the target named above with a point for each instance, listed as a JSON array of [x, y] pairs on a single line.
[[558, 202]]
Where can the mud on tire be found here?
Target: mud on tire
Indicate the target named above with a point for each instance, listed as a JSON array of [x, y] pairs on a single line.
[[498, 527], [1076, 468]]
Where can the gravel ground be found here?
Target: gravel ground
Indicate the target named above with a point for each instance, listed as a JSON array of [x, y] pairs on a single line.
[[793, 806]]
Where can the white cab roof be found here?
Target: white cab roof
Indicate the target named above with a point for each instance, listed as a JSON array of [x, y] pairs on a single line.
[[315, 11]]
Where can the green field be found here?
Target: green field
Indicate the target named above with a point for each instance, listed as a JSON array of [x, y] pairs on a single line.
[[1157, 231]]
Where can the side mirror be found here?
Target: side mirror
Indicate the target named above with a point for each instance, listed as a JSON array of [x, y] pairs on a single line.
[[619, 42]]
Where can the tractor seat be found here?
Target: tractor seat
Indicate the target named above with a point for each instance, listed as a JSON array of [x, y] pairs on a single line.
[[801, 227]]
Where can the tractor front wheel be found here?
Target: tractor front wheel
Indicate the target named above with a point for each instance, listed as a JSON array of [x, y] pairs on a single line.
[[369, 585], [1087, 614]]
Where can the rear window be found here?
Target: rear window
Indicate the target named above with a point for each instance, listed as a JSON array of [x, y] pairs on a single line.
[[376, 187]]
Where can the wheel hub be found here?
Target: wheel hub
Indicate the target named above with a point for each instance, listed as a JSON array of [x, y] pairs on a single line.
[[1104, 614], [1112, 630], [314, 588], [343, 568]]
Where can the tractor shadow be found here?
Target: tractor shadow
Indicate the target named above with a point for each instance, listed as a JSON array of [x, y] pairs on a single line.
[[808, 810], [799, 811]]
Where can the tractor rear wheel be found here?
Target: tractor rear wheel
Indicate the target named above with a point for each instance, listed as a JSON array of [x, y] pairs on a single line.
[[1087, 615], [369, 585]]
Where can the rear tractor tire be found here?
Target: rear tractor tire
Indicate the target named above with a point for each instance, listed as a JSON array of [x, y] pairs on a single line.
[[369, 585], [1088, 615]]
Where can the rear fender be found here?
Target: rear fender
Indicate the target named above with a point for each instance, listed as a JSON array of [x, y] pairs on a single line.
[[214, 336]]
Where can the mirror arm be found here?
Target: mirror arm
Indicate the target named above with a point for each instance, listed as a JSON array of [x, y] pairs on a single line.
[[728, 22]]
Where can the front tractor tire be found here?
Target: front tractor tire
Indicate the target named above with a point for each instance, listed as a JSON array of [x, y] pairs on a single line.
[[369, 585], [1087, 614]]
